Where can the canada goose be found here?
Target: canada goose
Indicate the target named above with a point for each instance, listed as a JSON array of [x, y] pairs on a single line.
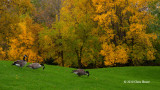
[[80, 72], [20, 63], [36, 65]]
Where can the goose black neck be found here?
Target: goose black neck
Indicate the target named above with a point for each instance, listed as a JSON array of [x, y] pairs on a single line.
[[43, 67], [23, 58], [87, 73]]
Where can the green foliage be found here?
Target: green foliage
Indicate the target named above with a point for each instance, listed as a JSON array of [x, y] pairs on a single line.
[[154, 26], [46, 41], [77, 35]]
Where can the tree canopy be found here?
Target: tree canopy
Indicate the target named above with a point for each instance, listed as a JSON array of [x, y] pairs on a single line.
[[81, 33]]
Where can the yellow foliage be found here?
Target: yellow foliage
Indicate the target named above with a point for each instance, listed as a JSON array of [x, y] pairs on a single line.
[[124, 21], [2, 54], [121, 54], [47, 47], [150, 55], [24, 44], [113, 55], [33, 57]]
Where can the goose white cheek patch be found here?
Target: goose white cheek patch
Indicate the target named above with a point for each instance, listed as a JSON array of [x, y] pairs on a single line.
[[75, 72], [17, 64]]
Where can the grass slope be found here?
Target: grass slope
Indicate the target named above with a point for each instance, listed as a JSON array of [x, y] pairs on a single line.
[[61, 78]]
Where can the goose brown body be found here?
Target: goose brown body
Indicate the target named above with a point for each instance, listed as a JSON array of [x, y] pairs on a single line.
[[80, 72], [20, 63], [35, 65]]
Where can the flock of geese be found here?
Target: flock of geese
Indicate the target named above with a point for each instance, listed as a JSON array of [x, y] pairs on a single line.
[[22, 63]]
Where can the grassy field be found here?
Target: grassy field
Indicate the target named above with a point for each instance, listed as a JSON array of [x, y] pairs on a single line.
[[61, 78]]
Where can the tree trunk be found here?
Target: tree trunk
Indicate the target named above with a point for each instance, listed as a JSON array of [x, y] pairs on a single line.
[[61, 53], [79, 63], [79, 56], [102, 63], [59, 31]]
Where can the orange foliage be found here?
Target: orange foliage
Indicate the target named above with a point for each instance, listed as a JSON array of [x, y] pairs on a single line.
[[2, 54], [24, 43]]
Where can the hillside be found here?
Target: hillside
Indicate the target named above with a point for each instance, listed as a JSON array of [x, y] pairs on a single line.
[[61, 78]]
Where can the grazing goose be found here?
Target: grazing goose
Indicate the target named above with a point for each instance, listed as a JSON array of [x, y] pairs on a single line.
[[20, 63], [80, 72], [36, 65]]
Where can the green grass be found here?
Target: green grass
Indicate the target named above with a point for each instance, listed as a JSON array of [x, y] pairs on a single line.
[[61, 78]]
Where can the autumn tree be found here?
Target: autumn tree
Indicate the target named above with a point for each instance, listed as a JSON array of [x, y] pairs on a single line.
[[122, 27], [47, 46], [25, 42], [154, 26], [45, 11], [77, 32], [10, 13], [69, 41], [55, 7], [18, 33], [80, 33]]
